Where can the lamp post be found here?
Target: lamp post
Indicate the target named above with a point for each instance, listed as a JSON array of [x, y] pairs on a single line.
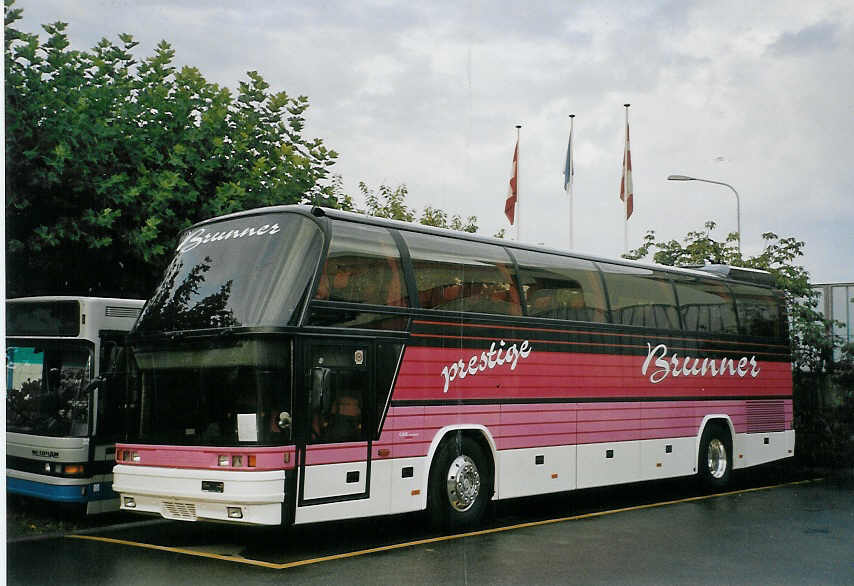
[[737, 200]]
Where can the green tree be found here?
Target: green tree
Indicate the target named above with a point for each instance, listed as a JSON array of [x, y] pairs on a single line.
[[108, 158], [386, 202], [390, 203], [812, 340]]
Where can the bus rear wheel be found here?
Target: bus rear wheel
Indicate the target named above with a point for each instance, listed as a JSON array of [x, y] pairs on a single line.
[[715, 461], [460, 484]]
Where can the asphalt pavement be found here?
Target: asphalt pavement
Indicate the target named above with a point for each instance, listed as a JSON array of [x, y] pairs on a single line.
[[774, 526]]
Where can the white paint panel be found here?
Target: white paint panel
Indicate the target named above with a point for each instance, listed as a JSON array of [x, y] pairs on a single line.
[[402, 498], [260, 514], [520, 475], [258, 494], [656, 462], [751, 449], [67, 449], [330, 480], [596, 469], [46, 479], [185, 484], [376, 504]]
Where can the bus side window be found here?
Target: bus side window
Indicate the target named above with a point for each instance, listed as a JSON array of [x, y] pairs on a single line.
[[559, 287], [363, 266], [460, 275], [705, 306], [758, 311], [640, 297]]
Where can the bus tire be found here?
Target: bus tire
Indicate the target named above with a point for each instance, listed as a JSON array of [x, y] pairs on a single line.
[[714, 465], [460, 484]]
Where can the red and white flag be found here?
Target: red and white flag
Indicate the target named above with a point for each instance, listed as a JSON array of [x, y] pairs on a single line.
[[512, 192], [626, 191]]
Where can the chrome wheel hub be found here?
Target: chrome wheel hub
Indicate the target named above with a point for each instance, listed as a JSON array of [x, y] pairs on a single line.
[[717, 458], [463, 483]]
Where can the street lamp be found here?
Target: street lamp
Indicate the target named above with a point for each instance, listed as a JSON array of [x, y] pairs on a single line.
[[737, 200]]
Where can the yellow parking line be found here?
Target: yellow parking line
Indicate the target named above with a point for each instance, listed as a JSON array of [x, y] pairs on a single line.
[[182, 550], [362, 552]]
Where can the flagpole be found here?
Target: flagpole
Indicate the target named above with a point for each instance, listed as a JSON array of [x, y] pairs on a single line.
[[569, 182], [626, 198], [518, 199]]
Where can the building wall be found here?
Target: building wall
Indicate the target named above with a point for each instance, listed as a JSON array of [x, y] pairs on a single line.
[[837, 303]]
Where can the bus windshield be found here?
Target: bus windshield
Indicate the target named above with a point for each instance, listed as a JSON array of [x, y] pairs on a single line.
[[228, 393], [46, 384], [245, 271]]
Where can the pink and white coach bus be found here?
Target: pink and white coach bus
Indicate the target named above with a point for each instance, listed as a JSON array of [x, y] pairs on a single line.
[[300, 364]]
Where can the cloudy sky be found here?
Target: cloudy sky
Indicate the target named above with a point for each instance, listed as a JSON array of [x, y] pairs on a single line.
[[755, 94]]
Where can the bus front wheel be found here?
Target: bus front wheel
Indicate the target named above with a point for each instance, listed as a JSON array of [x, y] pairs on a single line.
[[715, 461], [460, 484]]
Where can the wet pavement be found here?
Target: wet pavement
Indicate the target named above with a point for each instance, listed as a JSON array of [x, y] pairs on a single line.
[[774, 525]]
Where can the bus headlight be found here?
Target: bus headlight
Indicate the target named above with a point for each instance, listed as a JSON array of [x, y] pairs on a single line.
[[129, 502]]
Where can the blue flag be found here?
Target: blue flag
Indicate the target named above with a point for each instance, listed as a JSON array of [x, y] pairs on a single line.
[[569, 164]]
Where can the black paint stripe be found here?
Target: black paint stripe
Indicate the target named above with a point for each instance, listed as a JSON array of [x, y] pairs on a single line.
[[601, 346]]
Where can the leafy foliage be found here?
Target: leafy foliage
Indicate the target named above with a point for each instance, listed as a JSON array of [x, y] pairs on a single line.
[[108, 158], [812, 341], [391, 203]]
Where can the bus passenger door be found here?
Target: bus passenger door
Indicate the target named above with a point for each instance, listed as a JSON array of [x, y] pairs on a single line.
[[337, 422], [106, 425]]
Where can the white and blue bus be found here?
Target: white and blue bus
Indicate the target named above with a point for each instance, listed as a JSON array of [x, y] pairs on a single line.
[[60, 433]]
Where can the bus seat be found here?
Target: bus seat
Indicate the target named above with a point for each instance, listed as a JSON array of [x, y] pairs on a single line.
[[341, 280], [322, 288], [347, 406], [450, 293]]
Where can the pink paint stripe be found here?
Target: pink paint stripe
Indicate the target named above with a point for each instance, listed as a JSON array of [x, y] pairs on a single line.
[[409, 431], [558, 375], [207, 457]]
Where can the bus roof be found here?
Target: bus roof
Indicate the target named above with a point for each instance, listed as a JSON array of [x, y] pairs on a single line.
[[717, 272], [43, 298]]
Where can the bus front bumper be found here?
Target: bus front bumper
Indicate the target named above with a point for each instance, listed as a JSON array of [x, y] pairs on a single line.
[[49, 489], [211, 495]]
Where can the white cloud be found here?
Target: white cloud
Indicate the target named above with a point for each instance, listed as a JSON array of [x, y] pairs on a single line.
[[427, 94]]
